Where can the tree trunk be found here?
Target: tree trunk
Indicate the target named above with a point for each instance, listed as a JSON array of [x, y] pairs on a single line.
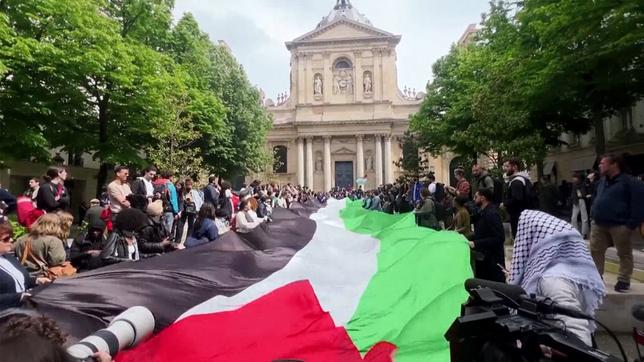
[[103, 137], [600, 136]]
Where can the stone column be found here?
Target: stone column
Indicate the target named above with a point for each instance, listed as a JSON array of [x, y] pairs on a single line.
[[327, 164], [359, 157], [300, 161], [389, 174], [309, 162], [378, 160]]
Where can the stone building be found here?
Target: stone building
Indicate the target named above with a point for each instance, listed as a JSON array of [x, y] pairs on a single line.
[[345, 113]]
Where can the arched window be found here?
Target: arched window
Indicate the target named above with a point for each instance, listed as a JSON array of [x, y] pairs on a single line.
[[280, 158], [342, 63]]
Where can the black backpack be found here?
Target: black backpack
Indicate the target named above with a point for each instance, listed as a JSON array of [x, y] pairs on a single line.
[[498, 190], [439, 194], [530, 198]]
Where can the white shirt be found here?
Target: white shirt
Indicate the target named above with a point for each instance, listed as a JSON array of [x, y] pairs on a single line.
[[19, 278], [149, 188]]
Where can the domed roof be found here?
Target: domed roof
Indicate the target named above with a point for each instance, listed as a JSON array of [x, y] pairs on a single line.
[[344, 9]]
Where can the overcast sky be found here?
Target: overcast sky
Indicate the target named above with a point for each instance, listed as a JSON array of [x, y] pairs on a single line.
[[257, 29]]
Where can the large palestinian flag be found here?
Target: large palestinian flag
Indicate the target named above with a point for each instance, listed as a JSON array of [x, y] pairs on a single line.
[[337, 283]]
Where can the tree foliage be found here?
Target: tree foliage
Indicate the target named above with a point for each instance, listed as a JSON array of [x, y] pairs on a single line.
[[536, 69], [115, 79]]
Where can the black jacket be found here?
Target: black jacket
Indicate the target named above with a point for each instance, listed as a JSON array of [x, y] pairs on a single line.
[[515, 198], [211, 195], [9, 298], [115, 249], [149, 238], [46, 199], [489, 237]]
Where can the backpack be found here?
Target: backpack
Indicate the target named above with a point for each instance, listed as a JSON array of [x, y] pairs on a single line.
[[497, 193], [162, 193], [439, 194], [530, 198]]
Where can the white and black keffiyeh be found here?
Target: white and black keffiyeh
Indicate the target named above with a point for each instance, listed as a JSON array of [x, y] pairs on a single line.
[[544, 241]]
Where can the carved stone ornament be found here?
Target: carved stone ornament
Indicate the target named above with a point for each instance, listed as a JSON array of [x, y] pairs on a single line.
[[342, 82]]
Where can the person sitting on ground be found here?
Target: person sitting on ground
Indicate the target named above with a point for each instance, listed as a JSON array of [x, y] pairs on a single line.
[[223, 226], [461, 222], [205, 229], [121, 244], [246, 219], [426, 211], [551, 259], [42, 248], [66, 222], [15, 280], [86, 248], [153, 238]]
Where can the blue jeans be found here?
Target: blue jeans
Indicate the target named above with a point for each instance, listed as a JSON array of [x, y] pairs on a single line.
[[167, 220]]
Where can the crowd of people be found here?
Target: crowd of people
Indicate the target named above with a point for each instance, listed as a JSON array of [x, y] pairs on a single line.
[[134, 219], [153, 214]]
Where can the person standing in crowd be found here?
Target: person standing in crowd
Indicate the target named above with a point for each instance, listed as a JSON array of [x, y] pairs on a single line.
[[165, 191], [191, 202], [42, 247], [226, 200], [517, 194], [548, 196], [578, 199], [119, 190], [481, 179], [617, 211], [15, 280], [462, 188], [591, 187], [461, 221], [52, 196], [551, 259], [375, 202], [143, 185], [425, 211], [211, 191], [488, 240], [32, 192]]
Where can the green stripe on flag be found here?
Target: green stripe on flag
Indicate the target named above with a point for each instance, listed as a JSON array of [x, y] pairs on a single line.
[[417, 290]]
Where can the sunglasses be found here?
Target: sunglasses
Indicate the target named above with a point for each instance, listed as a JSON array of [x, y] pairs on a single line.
[[6, 239]]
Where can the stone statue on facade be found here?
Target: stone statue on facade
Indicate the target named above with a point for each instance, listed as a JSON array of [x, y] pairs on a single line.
[[367, 84], [317, 85], [369, 162], [318, 161]]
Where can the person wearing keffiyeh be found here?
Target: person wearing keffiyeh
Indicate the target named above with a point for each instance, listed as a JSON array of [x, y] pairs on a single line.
[[551, 259]]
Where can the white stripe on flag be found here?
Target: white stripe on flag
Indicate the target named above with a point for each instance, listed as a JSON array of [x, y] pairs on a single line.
[[337, 262]]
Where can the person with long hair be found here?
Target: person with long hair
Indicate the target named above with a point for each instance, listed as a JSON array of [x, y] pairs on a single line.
[[52, 196], [205, 228], [246, 219], [42, 247], [15, 280]]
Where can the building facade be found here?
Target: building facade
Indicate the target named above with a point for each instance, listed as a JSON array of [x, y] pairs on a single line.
[[345, 113]]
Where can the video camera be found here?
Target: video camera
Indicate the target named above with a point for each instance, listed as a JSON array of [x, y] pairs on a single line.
[[499, 322]]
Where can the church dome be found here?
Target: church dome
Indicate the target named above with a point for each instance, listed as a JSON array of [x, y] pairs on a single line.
[[344, 9]]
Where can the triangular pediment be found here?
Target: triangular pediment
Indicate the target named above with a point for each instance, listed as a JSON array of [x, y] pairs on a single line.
[[343, 29], [343, 151]]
